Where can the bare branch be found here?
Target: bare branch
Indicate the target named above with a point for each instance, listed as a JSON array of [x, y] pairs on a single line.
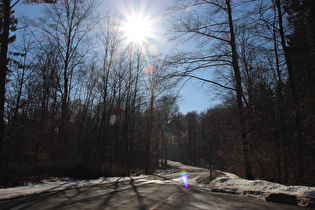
[[205, 80]]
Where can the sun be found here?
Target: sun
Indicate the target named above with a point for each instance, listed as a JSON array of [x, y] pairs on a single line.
[[140, 21], [137, 29]]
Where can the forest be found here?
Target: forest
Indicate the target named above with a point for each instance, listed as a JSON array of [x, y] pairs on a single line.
[[77, 100]]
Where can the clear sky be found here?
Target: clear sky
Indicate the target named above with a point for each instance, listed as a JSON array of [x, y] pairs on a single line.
[[194, 96]]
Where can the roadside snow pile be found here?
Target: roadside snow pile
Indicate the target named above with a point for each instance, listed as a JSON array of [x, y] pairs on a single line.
[[269, 191], [55, 184]]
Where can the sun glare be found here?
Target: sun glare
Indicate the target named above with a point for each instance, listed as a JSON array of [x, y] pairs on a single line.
[[141, 20], [137, 29], [140, 25]]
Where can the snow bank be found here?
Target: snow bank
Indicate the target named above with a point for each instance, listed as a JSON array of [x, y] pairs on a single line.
[[270, 191], [228, 183], [55, 184]]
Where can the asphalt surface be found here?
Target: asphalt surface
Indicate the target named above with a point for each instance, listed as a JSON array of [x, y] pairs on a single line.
[[153, 192]]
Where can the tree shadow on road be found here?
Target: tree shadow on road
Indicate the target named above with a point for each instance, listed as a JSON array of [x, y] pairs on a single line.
[[63, 198], [120, 182], [139, 197], [123, 192]]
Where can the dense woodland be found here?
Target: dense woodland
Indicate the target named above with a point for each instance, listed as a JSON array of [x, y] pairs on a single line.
[[78, 101]]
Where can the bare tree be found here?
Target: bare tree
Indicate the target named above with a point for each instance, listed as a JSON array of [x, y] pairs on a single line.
[[216, 32], [166, 108], [66, 26], [111, 42], [156, 83]]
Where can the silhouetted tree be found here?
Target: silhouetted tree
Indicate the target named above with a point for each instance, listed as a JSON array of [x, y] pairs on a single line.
[[217, 33]]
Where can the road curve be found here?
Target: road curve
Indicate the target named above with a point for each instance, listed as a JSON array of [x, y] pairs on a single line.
[[154, 193]]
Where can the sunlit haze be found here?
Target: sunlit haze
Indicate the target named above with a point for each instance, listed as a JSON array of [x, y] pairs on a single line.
[[137, 29]]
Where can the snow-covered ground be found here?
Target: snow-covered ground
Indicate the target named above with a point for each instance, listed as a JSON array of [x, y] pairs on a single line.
[[236, 184], [229, 183], [55, 184], [270, 191]]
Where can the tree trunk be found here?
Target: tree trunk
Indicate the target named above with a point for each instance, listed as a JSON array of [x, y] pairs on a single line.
[[239, 96], [299, 141], [148, 139], [5, 24]]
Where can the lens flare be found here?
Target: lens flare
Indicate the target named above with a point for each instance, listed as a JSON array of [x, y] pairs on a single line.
[[113, 119], [184, 177], [149, 69], [154, 50]]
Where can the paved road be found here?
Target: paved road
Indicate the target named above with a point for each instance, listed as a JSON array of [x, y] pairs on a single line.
[[153, 192]]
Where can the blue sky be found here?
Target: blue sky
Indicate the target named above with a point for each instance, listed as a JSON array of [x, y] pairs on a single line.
[[194, 96]]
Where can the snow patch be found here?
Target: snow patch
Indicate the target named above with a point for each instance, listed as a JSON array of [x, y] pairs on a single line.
[[304, 196], [56, 184], [241, 185]]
